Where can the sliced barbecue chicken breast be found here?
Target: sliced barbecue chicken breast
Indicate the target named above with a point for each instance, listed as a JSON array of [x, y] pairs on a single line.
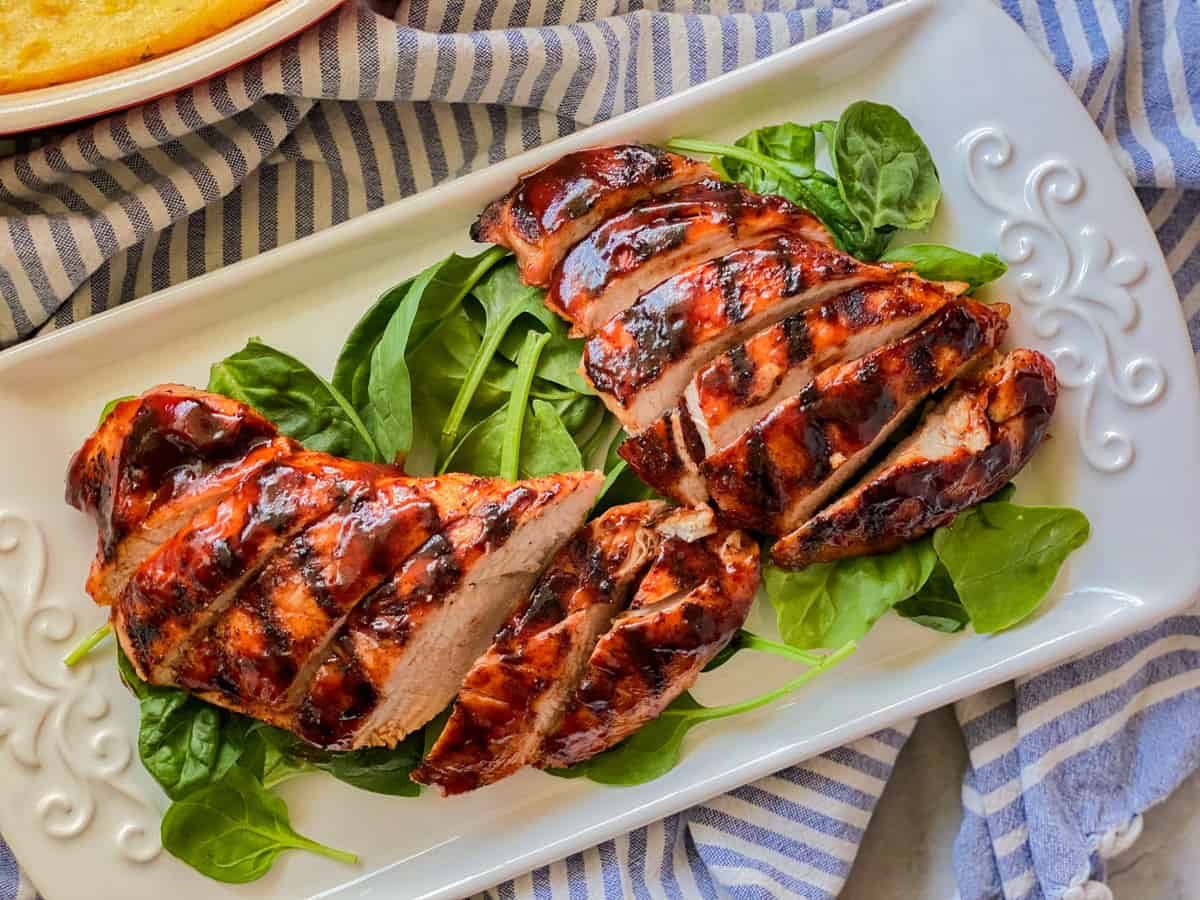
[[642, 359], [195, 574], [515, 692], [629, 254], [154, 462], [966, 449], [400, 656], [552, 208], [742, 385], [789, 463], [688, 607], [259, 653]]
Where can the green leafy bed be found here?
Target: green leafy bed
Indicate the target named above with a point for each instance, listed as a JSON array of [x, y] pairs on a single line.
[[463, 368]]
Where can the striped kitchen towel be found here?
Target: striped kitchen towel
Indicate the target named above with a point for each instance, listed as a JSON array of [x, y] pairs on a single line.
[[372, 105]]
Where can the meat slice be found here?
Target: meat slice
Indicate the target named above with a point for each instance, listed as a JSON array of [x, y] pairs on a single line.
[[514, 693], [193, 576], [553, 207], [972, 443], [667, 456], [741, 385], [259, 653], [689, 606], [403, 651], [643, 358], [784, 468], [629, 254], [154, 462]]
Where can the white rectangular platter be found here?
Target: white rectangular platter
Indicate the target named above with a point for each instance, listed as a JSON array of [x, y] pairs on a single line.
[[1024, 172]]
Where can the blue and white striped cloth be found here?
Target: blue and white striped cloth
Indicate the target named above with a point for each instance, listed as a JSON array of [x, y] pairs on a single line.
[[370, 106]]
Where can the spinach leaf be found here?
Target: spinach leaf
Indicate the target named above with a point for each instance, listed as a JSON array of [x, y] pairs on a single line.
[[1003, 558], [267, 758], [352, 371], [884, 170], [792, 146], [748, 640], [234, 830], [585, 419], [183, 742], [129, 677], [940, 263], [518, 404], [389, 414], [434, 294], [379, 770], [111, 405], [817, 192], [546, 445], [764, 174], [559, 363], [550, 448], [300, 402], [936, 604], [87, 645], [443, 361], [453, 278], [884, 176], [504, 298], [654, 749], [827, 604]]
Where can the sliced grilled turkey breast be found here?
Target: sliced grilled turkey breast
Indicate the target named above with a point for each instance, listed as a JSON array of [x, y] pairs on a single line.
[[551, 208], [401, 655], [966, 449], [154, 462], [192, 577], [514, 693], [258, 655], [643, 358], [785, 467], [631, 253], [690, 604]]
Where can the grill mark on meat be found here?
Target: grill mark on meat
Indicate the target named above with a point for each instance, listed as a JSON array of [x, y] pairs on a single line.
[[702, 307], [654, 451], [424, 581], [513, 693], [690, 603], [763, 479], [743, 371], [221, 548], [164, 441], [336, 702], [853, 306], [550, 209], [966, 449], [693, 443], [651, 241], [923, 366], [731, 292], [793, 275], [760, 477], [310, 571], [799, 340]]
